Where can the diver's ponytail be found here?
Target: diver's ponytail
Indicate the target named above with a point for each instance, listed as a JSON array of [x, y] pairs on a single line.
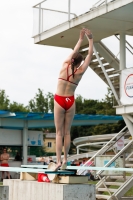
[[76, 59], [72, 66]]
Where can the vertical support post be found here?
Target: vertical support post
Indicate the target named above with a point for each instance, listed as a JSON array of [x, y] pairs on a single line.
[[122, 51], [39, 21], [106, 2], [77, 150], [25, 146], [128, 123], [122, 56], [42, 20], [69, 10]]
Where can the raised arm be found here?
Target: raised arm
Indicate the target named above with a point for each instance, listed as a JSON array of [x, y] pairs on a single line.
[[87, 61], [77, 46]]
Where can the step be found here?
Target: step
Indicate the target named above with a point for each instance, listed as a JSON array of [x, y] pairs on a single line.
[[130, 159], [115, 77], [113, 72], [106, 190], [107, 67], [114, 183], [128, 165], [116, 81], [95, 63], [101, 196], [118, 177]]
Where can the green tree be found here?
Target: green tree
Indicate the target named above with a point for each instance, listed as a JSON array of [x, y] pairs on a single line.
[[42, 103], [37, 151], [39, 103], [79, 104], [50, 97], [16, 107], [4, 100], [108, 104]]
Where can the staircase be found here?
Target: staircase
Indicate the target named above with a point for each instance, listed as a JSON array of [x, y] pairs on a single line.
[[129, 160], [114, 187], [106, 65]]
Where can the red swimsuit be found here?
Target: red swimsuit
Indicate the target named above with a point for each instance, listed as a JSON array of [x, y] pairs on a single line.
[[65, 101], [69, 77]]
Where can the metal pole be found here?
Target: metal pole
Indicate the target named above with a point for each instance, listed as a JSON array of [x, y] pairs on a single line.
[[106, 5], [122, 57], [69, 10], [128, 123], [122, 51], [77, 150], [39, 22], [25, 133]]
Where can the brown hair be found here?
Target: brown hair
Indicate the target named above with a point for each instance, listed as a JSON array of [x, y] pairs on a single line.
[[76, 59]]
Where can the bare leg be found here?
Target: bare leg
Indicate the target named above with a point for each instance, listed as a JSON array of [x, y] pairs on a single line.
[[59, 115], [63, 120], [67, 138], [3, 174], [8, 174]]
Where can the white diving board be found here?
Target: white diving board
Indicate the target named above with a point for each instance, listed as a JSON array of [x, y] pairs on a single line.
[[26, 168], [35, 166], [20, 169]]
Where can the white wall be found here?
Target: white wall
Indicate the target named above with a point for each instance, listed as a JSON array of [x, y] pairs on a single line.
[[14, 137]]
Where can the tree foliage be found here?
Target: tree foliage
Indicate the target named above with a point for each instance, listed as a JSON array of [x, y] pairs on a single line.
[[4, 100], [17, 107], [45, 103], [41, 102]]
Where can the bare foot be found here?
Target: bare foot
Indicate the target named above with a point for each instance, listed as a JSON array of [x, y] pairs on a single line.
[[63, 166], [57, 167]]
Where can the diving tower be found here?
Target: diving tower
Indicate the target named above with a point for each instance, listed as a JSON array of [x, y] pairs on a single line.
[[106, 18]]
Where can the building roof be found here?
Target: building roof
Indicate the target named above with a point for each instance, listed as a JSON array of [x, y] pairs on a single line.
[[50, 135], [16, 120]]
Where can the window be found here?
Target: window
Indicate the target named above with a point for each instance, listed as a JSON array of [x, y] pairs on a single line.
[[49, 144]]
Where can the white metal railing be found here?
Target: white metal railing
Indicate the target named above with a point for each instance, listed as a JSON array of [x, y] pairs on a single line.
[[105, 147], [101, 2], [50, 13]]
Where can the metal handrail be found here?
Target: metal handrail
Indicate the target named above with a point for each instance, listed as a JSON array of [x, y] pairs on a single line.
[[104, 147], [39, 6], [57, 11], [126, 46], [94, 6]]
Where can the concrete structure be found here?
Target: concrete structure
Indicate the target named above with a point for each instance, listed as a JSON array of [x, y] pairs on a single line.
[[4, 192], [25, 190]]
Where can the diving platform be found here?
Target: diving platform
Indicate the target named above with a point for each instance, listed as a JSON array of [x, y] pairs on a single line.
[[104, 21]]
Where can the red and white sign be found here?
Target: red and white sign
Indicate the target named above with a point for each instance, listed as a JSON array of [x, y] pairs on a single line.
[[127, 86], [120, 143]]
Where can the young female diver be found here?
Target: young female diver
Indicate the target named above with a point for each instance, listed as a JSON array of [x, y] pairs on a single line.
[[64, 104]]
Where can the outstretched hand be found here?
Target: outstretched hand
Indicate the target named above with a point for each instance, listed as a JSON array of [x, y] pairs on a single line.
[[82, 34], [88, 33]]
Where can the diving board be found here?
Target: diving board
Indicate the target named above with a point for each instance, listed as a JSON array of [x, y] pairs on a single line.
[[84, 168], [40, 169], [35, 166]]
